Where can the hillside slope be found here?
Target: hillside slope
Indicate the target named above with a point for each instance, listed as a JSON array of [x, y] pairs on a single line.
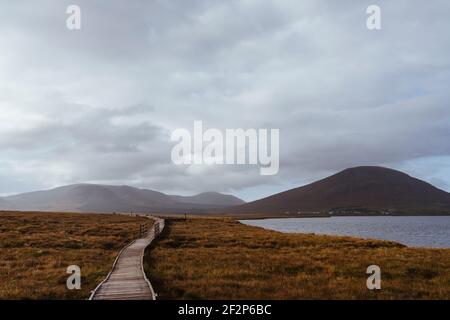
[[355, 189], [104, 198]]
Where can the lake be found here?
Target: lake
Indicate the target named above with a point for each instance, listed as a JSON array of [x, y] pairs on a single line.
[[417, 231]]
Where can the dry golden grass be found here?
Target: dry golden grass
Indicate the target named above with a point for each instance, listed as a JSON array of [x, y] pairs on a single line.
[[223, 259], [36, 249]]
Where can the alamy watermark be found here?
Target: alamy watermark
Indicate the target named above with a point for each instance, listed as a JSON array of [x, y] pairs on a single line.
[[231, 146], [73, 21], [373, 21], [374, 280], [74, 280]]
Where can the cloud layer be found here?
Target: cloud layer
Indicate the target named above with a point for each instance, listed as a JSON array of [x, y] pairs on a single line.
[[99, 104]]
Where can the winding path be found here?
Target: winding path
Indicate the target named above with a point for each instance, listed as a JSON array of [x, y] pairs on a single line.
[[127, 280]]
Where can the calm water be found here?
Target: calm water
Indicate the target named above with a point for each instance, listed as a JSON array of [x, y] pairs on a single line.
[[411, 231]]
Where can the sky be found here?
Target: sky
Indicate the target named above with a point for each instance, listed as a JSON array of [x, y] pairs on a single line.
[[99, 104]]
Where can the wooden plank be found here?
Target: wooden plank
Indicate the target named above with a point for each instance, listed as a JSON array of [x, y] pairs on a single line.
[[127, 280]]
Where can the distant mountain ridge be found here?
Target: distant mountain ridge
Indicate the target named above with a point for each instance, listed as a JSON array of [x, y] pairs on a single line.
[[209, 198], [105, 198], [359, 190], [356, 190]]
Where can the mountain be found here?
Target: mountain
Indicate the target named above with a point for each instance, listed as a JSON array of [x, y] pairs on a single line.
[[356, 190], [5, 204], [359, 190], [104, 198], [213, 199]]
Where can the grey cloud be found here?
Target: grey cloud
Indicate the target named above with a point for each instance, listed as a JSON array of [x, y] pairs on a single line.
[[98, 105]]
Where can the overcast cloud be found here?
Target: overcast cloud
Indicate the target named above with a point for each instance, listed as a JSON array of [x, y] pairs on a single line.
[[98, 105]]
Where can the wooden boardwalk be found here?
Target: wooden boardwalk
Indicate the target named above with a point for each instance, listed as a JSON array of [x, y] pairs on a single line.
[[127, 280]]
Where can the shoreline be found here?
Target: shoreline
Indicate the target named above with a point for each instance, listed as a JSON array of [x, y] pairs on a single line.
[[406, 241], [253, 217]]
